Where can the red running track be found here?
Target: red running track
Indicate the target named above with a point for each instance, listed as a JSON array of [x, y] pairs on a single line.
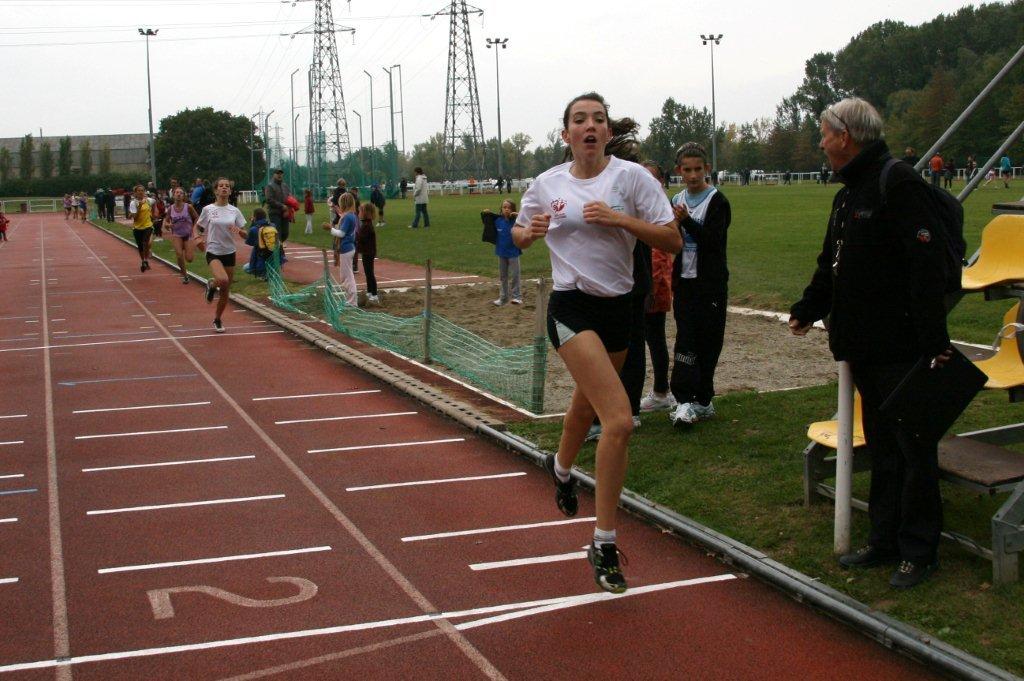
[[244, 544]]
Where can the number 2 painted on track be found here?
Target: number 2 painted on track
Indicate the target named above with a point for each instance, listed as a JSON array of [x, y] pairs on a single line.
[[160, 599]]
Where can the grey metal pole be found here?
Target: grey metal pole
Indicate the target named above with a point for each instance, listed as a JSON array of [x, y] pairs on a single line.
[[291, 179], [401, 104], [149, 92], [394, 147], [361, 161], [969, 110], [712, 40], [266, 137], [373, 142]]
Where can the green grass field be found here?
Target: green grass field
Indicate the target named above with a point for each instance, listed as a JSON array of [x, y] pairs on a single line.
[[741, 473], [775, 236]]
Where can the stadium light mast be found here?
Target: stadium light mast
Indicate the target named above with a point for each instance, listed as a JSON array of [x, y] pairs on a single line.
[[147, 32], [495, 42], [712, 40], [373, 141]]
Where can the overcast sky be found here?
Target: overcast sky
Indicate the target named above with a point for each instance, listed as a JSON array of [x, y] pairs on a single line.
[[228, 54]]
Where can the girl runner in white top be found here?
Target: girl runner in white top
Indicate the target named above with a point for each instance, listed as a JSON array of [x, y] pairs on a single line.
[[590, 212], [220, 221]]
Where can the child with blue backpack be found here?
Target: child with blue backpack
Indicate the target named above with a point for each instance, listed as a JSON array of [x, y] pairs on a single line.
[[261, 249]]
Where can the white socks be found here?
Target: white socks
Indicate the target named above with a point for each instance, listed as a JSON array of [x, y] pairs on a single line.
[[561, 473], [602, 537]]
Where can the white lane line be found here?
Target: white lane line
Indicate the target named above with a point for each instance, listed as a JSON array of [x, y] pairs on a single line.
[[588, 599], [527, 608], [143, 406], [163, 314], [296, 397], [149, 432], [13, 442], [575, 555], [58, 320], [14, 416], [167, 463], [8, 520], [218, 559], [8, 580], [386, 446], [57, 333], [12, 476], [347, 418], [32, 321], [435, 482], [30, 316], [506, 528], [185, 504], [142, 340]]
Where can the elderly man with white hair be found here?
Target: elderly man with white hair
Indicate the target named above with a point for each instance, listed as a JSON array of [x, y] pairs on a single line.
[[879, 280]]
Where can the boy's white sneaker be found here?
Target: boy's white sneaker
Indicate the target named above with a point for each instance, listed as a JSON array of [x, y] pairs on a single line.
[[689, 413], [652, 401], [499, 302], [372, 299]]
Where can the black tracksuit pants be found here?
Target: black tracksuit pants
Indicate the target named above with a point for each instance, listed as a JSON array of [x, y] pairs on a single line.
[[905, 506], [699, 312]]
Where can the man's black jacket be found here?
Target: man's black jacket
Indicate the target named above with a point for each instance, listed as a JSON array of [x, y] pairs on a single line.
[[879, 276]]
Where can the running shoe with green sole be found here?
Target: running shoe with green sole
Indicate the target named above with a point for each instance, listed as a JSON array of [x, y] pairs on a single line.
[[605, 561]]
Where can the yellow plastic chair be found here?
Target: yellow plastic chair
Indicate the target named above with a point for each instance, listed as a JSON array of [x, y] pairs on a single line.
[[1001, 257], [827, 432], [1005, 369]]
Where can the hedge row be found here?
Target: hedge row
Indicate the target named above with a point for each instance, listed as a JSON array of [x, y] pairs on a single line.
[[57, 186]]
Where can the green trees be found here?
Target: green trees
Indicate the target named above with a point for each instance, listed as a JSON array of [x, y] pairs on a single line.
[[85, 157], [207, 143], [26, 158], [64, 157], [676, 125], [5, 165], [45, 160], [105, 160]]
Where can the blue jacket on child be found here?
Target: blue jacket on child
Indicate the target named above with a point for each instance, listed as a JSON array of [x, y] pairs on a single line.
[[505, 247], [257, 265]]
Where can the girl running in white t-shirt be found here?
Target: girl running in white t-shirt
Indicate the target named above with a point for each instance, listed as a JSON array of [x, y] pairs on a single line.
[[590, 212], [219, 222]]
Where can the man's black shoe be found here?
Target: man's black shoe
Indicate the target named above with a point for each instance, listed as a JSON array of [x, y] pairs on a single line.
[[910, 573], [565, 492], [869, 556]]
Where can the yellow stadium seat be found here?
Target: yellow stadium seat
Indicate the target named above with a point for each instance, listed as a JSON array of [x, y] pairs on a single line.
[[1001, 257], [1005, 369], [827, 432]]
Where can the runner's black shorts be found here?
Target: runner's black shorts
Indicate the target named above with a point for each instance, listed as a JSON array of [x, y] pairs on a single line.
[[142, 238], [228, 259], [571, 312]]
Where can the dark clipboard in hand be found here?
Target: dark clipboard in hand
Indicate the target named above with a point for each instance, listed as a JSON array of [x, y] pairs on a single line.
[[928, 401]]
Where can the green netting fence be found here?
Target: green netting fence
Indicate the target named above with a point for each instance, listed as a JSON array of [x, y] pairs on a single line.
[[516, 374]]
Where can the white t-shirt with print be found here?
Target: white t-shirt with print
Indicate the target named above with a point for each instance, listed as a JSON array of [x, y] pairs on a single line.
[[220, 223], [592, 258]]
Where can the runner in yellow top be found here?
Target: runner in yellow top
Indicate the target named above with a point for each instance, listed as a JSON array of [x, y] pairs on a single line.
[[141, 212]]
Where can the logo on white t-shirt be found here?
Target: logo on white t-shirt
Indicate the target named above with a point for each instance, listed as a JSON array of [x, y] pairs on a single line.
[[558, 205]]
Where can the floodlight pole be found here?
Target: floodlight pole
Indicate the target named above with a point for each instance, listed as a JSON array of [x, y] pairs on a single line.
[[373, 143], [266, 144], [495, 42], [401, 104], [362, 169], [394, 146], [712, 40], [295, 143], [147, 32]]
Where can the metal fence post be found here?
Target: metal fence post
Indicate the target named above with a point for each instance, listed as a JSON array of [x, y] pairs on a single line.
[[426, 315], [844, 460], [540, 348]]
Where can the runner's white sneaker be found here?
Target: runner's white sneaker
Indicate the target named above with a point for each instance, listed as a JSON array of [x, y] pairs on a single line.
[[689, 413], [655, 402]]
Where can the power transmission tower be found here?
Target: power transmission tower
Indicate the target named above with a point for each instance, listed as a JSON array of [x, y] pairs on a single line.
[[328, 123], [462, 123]]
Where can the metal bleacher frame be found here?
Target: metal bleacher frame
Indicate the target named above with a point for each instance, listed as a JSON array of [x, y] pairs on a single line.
[[974, 460]]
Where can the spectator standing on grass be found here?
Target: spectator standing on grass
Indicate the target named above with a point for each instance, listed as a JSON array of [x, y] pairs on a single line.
[[346, 249], [972, 167], [700, 287], [3, 224], [590, 211], [126, 200], [403, 186], [948, 171], [879, 280], [110, 202], [181, 216], [308, 208], [420, 198], [910, 157], [100, 198], [219, 222], [507, 252], [196, 197], [275, 194], [935, 166], [1006, 170], [140, 210], [378, 199], [366, 246], [658, 306]]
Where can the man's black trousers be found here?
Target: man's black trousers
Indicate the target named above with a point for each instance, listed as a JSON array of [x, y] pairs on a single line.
[[905, 504]]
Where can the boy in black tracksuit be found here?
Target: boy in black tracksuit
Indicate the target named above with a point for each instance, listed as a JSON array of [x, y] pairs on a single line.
[[700, 279]]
